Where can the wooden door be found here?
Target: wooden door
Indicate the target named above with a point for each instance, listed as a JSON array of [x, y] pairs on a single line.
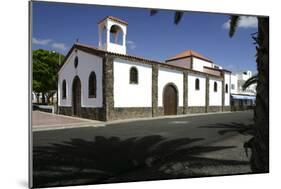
[[76, 96], [170, 100]]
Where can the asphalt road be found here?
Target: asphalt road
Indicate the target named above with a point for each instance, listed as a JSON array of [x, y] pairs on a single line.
[[143, 150], [209, 128]]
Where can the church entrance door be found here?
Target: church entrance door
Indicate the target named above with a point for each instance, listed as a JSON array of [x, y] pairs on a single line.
[[170, 100], [76, 96]]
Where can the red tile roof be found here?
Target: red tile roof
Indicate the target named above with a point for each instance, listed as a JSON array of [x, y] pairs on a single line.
[[189, 53], [93, 49], [113, 53], [114, 19]]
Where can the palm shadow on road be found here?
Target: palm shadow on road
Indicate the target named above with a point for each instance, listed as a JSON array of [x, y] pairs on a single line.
[[233, 127], [107, 160]]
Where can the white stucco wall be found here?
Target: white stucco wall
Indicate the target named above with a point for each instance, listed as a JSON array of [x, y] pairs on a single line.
[[105, 44], [132, 95], [215, 98], [227, 95], [199, 64], [196, 97], [87, 64], [166, 76], [234, 81]]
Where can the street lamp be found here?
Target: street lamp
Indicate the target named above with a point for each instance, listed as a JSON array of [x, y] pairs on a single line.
[[57, 100], [59, 55]]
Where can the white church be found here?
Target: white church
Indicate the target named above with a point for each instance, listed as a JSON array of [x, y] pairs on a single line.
[[105, 83]]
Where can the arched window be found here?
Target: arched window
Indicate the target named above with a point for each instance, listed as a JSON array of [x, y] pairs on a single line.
[[134, 76], [215, 87], [226, 88], [197, 84], [92, 87], [64, 89]]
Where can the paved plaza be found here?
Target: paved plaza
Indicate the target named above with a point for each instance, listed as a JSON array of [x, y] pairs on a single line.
[[48, 121]]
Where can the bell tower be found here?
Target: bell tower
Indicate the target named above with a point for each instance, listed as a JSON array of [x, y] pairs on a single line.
[[112, 35]]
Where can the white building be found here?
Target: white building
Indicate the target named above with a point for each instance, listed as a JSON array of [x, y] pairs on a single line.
[[105, 83], [242, 99]]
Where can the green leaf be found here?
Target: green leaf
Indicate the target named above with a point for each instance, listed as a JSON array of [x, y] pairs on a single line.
[[178, 17], [252, 80], [233, 25], [153, 12]]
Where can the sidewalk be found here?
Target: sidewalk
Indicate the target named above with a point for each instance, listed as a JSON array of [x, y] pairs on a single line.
[[42, 121]]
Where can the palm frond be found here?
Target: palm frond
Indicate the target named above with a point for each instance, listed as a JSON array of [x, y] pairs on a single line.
[[233, 25], [178, 17], [153, 12], [252, 80]]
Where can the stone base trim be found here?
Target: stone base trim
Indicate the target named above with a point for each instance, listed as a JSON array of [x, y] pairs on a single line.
[[180, 111], [196, 109], [241, 108], [214, 109], [64, 110], [133, 112], [226, 108], [88, 113], [127, 113]]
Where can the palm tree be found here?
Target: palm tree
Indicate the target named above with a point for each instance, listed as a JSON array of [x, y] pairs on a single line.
[[252, 80], [260, 142]]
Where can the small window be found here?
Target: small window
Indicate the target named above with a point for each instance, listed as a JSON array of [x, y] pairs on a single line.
[[197, 84], [92, 85], [76, 62], [215, 87], [133, 75], [226, 88], [64, 89], [232, 86]]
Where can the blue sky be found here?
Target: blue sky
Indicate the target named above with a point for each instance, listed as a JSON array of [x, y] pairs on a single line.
[[56, 26]]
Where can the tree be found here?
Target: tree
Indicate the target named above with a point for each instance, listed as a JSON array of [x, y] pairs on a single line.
[[45, 69], [260, 142], [252, 80]]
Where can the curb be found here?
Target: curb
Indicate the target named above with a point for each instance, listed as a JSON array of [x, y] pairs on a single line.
[[164, 117], [65, 126]]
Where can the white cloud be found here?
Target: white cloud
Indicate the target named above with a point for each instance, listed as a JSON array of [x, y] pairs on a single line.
[[131, 44], [41, 41], [59, 46], [244, 22]]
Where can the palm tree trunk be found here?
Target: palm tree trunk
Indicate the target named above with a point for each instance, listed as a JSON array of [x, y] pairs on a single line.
[[260, 142]]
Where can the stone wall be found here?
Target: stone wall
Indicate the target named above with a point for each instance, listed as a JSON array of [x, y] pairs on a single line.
[[155, 70], [180, 111], [214, 109], [93, 113], [108, 81], [185, 92], [65, 110], [88, 113], [227, 108], [196, 109], [241, 108], [127, 113]]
